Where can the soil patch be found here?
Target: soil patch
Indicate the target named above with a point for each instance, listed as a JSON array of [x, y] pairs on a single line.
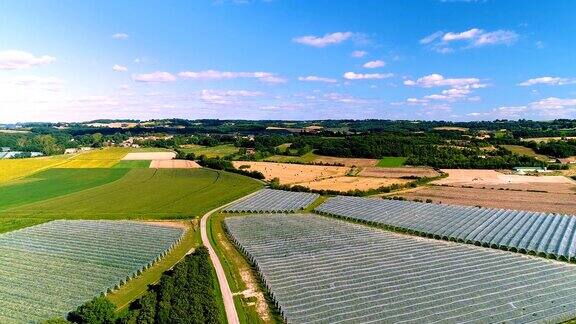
[[174, 164]]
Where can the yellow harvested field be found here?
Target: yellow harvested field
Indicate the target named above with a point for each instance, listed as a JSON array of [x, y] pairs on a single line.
[[381, 172], [173, 164], [292, 173], [351, 183], [103, 158], [491, 177], [11, 169], [146, 156], [349, 162]]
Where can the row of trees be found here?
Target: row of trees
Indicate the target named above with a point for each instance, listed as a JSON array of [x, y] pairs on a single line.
[[185, 294]]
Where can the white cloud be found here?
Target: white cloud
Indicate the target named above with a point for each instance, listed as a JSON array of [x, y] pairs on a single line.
[[223, 75], [119, 68], [154, 77], [323, 41], [35, 83], [475, 37], [15, 59], [437, 80], [547, 80], [226, 97], [430, 38], [367, 76], [120, 36], [374, 64], [313, 78], [554, 103], [359, 54]]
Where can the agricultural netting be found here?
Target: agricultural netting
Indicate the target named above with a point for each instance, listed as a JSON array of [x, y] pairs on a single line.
[[545, 234], [323, 270], [49, 269], [270, 200]]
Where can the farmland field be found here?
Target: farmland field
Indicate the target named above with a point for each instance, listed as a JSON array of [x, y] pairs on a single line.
[[293, 173], [174, 164], [53, 183], [522, 150], [210, 152], [558, 200], [148, 156], [145, 193], [50, 269], [17, 168], [345, 183], [133, 164], [321, 270], [399, 172], [392, 162], [102, 158], [304, 159]]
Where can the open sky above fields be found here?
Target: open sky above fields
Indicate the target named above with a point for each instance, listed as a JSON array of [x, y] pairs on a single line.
[[280, 59]]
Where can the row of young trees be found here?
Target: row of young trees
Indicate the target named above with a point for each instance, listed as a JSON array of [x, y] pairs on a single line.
[[185, 294]]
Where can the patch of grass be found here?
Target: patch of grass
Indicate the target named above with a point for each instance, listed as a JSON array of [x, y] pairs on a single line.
[[11, 224], [11, 169], [133, 164], [391, 162], [522, 150], [211, 152], [53, 183], [135, 288], [145, 193], [100, 158]]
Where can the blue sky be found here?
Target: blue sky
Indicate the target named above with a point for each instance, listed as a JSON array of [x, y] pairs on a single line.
[[287, 59]]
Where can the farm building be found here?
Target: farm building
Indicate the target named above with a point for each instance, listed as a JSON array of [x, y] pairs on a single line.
[[524, 170]]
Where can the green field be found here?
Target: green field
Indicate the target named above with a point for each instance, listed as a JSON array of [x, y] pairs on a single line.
[[522, 150], [11, 224], [53, 183], [391, 162], [145, 193], [132, 164], [211, 152]]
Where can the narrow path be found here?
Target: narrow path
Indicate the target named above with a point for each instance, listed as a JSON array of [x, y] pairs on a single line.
[[229, 307]]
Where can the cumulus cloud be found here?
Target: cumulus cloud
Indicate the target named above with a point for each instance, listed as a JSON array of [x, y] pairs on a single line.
[[366, 76], [475, 37], [120, 36], [119, 68], [16, 59], [359, 54], [374, 64], [323, 41], [223, 75], [438, 80], [313, 78], [547, 80], [154, 77], [459, 89]]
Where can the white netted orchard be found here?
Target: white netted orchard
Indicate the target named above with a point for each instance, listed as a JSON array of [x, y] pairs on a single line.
[[273, 201], [322, 270], [48, 270]]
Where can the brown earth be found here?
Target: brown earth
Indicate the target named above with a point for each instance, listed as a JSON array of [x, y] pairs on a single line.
[[293, 173], [173, 164], [564, 203], [398, 172], [351, 183], [349, 162]]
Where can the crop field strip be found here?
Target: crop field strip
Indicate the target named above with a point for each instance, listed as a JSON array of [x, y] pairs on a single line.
[[322, 270], [549, 235], [144, 193], [48, 270], [270, 200]]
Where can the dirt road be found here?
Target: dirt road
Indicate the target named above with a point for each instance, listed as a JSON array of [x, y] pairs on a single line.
[[231, 314]]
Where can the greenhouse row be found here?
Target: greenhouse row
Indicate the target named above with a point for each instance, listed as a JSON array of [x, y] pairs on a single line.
[[270, 200], [322, 270], [59, 265], [549, 235]]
